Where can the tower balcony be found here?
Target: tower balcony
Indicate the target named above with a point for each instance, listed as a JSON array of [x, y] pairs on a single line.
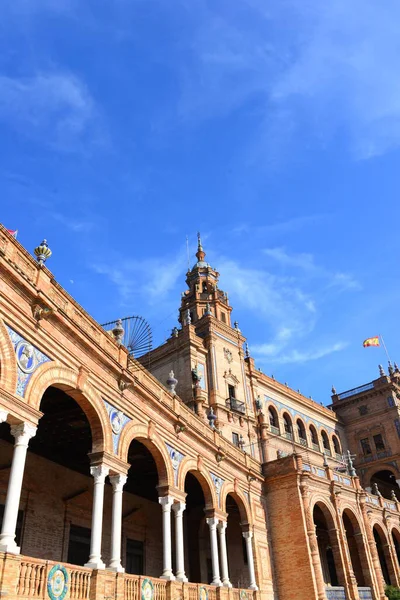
[[236, 405]]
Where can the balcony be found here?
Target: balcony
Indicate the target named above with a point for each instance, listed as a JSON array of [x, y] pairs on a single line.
[[236, 405], [303, 441], [315, 447], [275, 430], [288, 435], [35, 578]]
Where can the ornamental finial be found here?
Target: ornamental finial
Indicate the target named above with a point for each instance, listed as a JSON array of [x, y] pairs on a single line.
[[390, 368], [200, 254], [42, 252], [334, 391], [381, 371]]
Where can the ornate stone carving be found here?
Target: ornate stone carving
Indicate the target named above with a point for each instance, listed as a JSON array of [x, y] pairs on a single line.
[[28, 357]]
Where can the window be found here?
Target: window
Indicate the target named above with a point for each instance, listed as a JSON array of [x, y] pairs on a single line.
[[391, 402], [314, 436], [18, 529], [325, 440], [379, 443], [235, 439], [287, 423], [336, 444], [397, 425], [300, 430], [231, 391], [79, 545], [366, 447], [134, 557], [223, 317], [273, 417]]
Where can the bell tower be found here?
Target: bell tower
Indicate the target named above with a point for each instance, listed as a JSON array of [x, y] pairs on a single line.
[[203, 296]]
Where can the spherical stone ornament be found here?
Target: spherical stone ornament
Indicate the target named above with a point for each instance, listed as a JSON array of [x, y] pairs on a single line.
[[203, 593], [147, 589], [26, 357], [57, 583]]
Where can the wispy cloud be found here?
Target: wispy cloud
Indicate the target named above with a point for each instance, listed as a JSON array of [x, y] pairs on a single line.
[[280, 227], [264, 351], [55, 108]]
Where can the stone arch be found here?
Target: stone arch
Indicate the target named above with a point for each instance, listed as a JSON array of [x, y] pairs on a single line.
[[336, 443], [56, 375], [240, 499], [301, 430], [385, 558], [328, 511], [146, 435], [287, 421], [314, 434], [203, 477], [8, 361], [273, 415], [395, 538], [357, 546], [382, 467], [325, 439]]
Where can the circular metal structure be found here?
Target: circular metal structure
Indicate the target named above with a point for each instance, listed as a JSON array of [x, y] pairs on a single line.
[[137, 336]]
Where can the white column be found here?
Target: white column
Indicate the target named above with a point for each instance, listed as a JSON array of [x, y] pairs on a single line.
[[224, 556], [99, 473], [250, 560], [212, 523], [178, 508], [166, 503], [22, 433], [117, 482]]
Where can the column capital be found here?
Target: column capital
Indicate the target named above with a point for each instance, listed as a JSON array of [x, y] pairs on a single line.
[[178, 507], [99, 473], [166, 502], [23, 432], [247, 534], [3, 415], [212, 522], [118, 481], [221, 526]]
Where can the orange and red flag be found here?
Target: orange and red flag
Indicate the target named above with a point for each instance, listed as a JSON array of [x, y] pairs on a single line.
[[373, 341]]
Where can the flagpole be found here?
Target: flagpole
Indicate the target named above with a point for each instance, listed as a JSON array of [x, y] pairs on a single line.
[[384, 346]]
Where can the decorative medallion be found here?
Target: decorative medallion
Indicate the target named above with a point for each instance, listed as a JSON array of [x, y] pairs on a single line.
[[29, 358], [228, 355], [176, 458], [57, 582], [203, 593], [218, 483], [118, 420], [147, 589], [243, 595]]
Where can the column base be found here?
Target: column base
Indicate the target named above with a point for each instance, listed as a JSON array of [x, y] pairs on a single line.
[[118, 568], [226, 584], [217, 583], [10, 547], [95, 564], [168, 576], [253, 587], [182, 578]]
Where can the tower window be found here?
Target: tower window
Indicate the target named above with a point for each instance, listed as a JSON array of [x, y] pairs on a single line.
[[231, 391], [366, 447], [379, 443], [235, 439], [223, 317]]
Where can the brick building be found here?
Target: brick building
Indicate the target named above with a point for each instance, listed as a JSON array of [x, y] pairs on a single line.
[[188, 473]]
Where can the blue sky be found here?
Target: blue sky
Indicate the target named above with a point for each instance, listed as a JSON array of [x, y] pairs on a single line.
[[271, 127]]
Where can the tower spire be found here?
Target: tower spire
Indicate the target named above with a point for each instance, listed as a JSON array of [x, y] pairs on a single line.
[[200, 254]]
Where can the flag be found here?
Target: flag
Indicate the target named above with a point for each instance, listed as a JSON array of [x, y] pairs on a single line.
[[13, 232], [374, 341]]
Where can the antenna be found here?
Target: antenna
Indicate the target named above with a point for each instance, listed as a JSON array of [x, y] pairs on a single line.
[[188, 254]]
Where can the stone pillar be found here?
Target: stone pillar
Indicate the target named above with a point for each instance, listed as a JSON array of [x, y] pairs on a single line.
[[313, 543], [212, 523], [380, 582], [248, 536], [166, 503], [178, 508], [224, 556], [99, 473], [117, 482], [22, 433]]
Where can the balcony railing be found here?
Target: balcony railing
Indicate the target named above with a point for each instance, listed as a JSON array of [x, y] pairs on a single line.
[[303, 441], [35, 576], [236, 405], [315, 447], [327, 451], [275, 430], [288, 435], [335, 593]]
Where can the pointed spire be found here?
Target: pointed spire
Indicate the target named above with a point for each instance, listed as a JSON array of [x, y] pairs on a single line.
[[396, 368], [381, 371], [334, 391], [390, 368], [200, 254]]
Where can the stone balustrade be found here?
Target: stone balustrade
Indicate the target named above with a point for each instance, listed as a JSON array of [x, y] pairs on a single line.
[[25, 577]]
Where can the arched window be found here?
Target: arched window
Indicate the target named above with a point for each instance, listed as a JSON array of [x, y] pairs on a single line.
[[301, 432], [336, 446], [325, 442], [287, 423], [273, 420], [314, 438], [205, 287]]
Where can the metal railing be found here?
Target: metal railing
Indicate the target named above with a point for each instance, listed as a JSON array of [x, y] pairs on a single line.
[[236, 405], [275, 430]]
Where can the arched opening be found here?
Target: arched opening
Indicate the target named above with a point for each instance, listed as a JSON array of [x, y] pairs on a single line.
[[273, 420], [56, 495], [287, 425], [336, 446], [386, 482], [354, 540], [196, 533], [380, 546], [396, 544], [314, 438], [301, 432], [142, 515], [325, 443], [327, 547], [236, 546]]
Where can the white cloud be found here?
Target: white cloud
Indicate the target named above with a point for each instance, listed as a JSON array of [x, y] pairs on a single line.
[[55, 108], [264, 351]]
